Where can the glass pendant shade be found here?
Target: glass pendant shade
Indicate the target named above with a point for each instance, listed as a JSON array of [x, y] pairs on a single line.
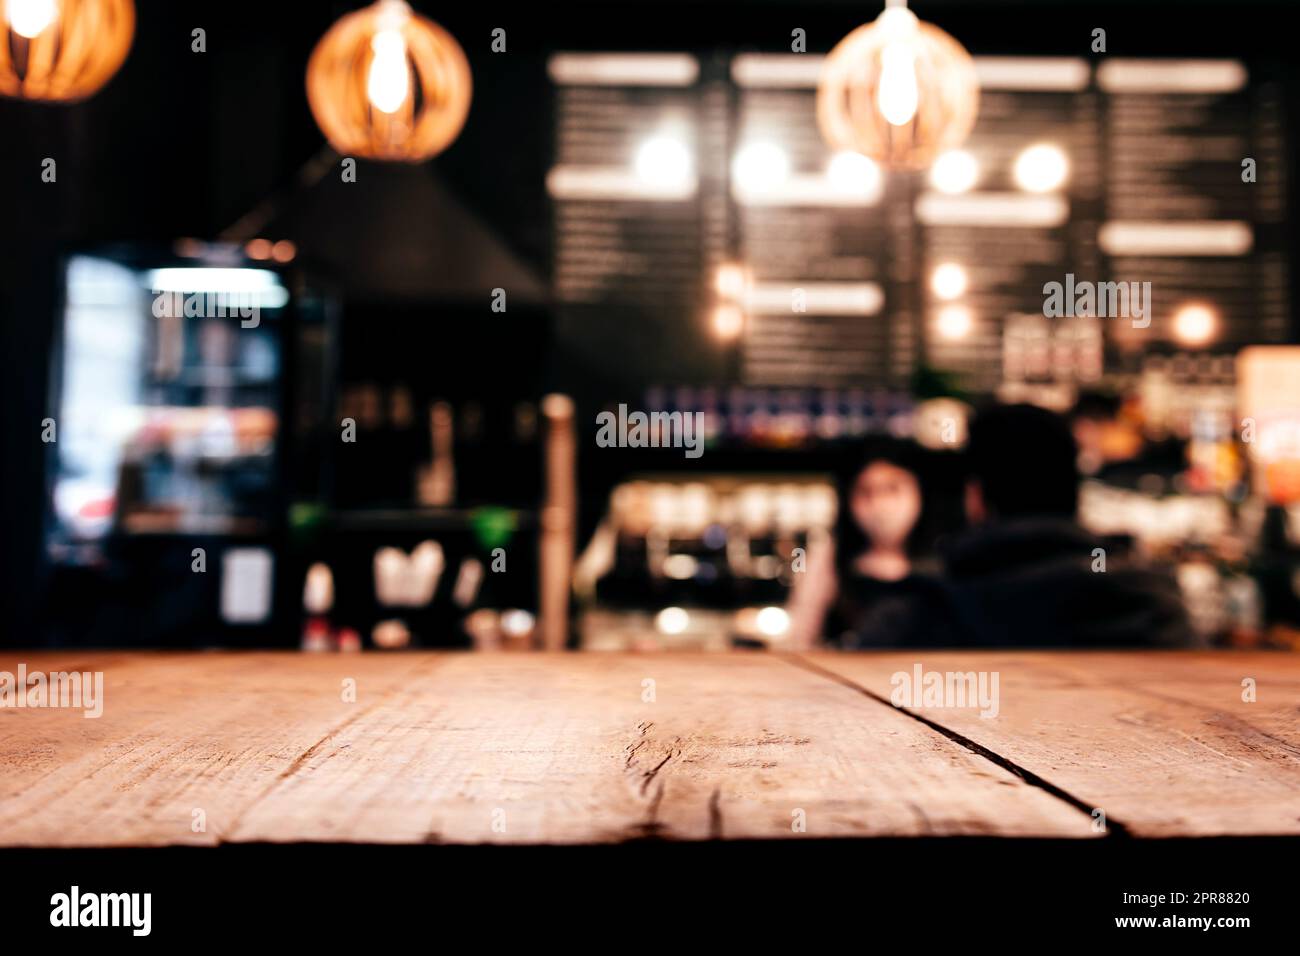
[[61, 51], [897, 90], [386, 83]]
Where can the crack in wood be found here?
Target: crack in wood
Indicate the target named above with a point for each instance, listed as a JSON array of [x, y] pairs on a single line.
[[1114, 829], [644, 780], [579, 759], [302, 759]]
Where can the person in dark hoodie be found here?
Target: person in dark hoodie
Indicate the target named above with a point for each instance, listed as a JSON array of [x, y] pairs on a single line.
[[1026, 574]]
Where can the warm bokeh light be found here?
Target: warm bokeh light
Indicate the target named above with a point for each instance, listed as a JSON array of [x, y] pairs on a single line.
[[897, 95], [853, 174], [672, 620], [284, 251], [517, 623], [63, 50], [386, 83], [773, 621], [728, 321], [1195, 324], [897, 90], [664, 161], [258, 249], [28, 18], [948, 281], [955, 171], [759, 167], [731, 280], [1041, 168], [954, 322]]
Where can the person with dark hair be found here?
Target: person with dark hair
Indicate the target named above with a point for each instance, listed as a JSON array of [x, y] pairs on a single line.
[[863, 586], [1026, 573], [1021, 463]]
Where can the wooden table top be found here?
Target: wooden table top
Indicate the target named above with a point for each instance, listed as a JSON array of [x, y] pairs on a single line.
[[209, 748]]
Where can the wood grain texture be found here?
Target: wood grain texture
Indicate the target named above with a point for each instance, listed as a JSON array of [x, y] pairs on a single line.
[[179, 733], [466, 748], [1162, 742]]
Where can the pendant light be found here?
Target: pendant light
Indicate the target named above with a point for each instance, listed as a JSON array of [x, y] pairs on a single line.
[[62, 50], [386, 83], [897, 90]]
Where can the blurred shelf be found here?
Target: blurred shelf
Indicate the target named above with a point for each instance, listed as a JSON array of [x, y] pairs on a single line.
[[428, 519]]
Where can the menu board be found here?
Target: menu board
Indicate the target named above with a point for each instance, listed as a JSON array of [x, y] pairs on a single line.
[[631, 213], [1010, 241], [820, 240], [1180, 211], [1078, 171]]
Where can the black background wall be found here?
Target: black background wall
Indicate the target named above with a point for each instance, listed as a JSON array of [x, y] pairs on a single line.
[[184, 144]]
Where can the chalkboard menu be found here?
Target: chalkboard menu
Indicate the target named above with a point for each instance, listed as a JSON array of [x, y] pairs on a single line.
[[632, 211], [820, 241], [1079, 172], [1008, 240], [1181, 210]]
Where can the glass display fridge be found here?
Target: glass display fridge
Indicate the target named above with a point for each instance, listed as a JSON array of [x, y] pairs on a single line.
[[189, 389]]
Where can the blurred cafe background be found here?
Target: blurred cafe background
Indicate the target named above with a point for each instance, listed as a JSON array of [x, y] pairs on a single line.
[[466, 241]]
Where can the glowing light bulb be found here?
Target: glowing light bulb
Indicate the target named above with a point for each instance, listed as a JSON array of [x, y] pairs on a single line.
[[1041, 168], [517, 623], [731, 280], [948, 281], [955, 171], [388, 83], [672, 620], [664, 161], [728, 321], [1195, 324], [773, 621], [897, 96], [760, 167], [955, 323], [29, 18], [853, 174]]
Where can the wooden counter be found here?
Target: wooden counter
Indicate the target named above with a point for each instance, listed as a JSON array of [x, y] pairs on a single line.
[[208, 748]]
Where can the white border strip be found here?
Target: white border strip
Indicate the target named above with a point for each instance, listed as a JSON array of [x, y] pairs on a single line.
[[819, 298], [623, 69], [1033, 73], [803, 71], [1172, 76], [805, 189], [613, 183], [992, 209], [777, 70], [1229, 237]]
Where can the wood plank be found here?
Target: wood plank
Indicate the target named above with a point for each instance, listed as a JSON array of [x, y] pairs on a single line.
[[179, 733], [1162, 742], [565, 747], [471, 748]]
